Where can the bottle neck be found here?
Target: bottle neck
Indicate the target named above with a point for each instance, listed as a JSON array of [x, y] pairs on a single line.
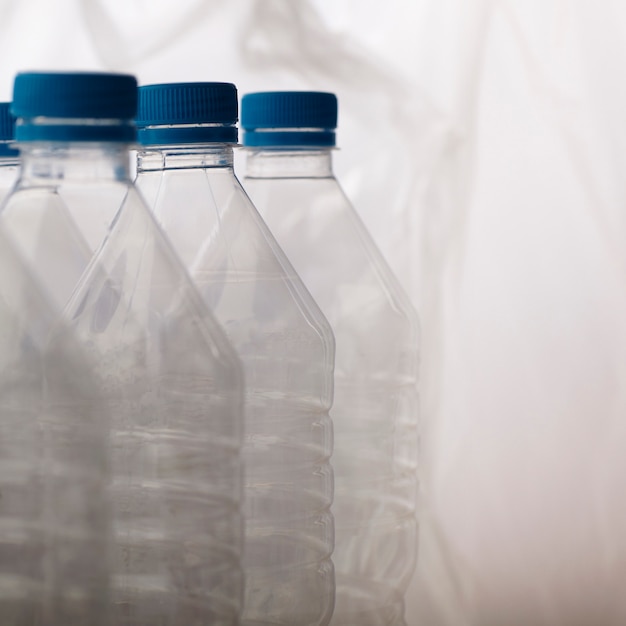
[[45, 162], [184, 157], [280, 163]]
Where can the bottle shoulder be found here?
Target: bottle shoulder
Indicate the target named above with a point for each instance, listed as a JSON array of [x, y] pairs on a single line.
[[241, 271], [136, 283], [326, 239]]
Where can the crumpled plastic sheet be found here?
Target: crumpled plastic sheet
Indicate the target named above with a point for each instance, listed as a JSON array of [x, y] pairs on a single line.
[[484, 145]]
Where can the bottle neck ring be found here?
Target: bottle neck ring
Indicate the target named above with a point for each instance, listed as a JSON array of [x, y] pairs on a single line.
[[39, 129], [194, 156]]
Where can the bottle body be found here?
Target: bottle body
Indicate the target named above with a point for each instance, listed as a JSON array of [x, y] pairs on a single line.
[[54, 423], [287, 351], [170, 375], [375, 408]]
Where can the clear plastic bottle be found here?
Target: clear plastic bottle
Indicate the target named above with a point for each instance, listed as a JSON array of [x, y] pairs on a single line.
[[185, 170], [54, 429], [172, 379], [290, 137], [9, 156]]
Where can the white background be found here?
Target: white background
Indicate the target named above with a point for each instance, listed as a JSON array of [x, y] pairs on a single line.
[[482, 142]]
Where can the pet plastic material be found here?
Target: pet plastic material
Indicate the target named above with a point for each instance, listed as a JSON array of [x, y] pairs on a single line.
[[173, 381], [282, 338], [54, 434], [376, 410]]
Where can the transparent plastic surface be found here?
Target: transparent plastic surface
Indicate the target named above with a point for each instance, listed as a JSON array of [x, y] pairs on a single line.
[[9, 168], [174, 383], [54, 429], [62, 206], [287, 350], [375, 410]]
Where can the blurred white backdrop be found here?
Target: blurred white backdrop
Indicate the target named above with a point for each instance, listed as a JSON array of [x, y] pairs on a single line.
[[483, 143]]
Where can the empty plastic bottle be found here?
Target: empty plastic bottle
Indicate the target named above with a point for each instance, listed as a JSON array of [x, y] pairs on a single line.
[[9, 156], [170, 375], [54, 429], [185, 170], [290, 138]]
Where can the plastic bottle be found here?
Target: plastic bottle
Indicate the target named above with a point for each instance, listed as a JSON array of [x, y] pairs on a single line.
[[54, 421], [173, 381], [9, 156], [185, 170], [290, 137]]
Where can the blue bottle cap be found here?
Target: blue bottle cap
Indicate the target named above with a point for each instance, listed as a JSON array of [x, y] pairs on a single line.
[[289, 119], [187, 113], [101, 106], [7, 130]]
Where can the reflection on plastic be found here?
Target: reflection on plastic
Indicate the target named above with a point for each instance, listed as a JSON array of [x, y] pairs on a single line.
[[54, 434]]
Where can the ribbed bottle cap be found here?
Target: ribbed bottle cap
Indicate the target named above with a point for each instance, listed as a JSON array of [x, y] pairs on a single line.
[[7, 130], [289, 119], [82, 97], [187, 113]]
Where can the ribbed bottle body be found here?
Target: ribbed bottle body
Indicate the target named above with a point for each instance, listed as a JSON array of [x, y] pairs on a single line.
[[172, 379], [54, 462], [287, 352], [375, 411]]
